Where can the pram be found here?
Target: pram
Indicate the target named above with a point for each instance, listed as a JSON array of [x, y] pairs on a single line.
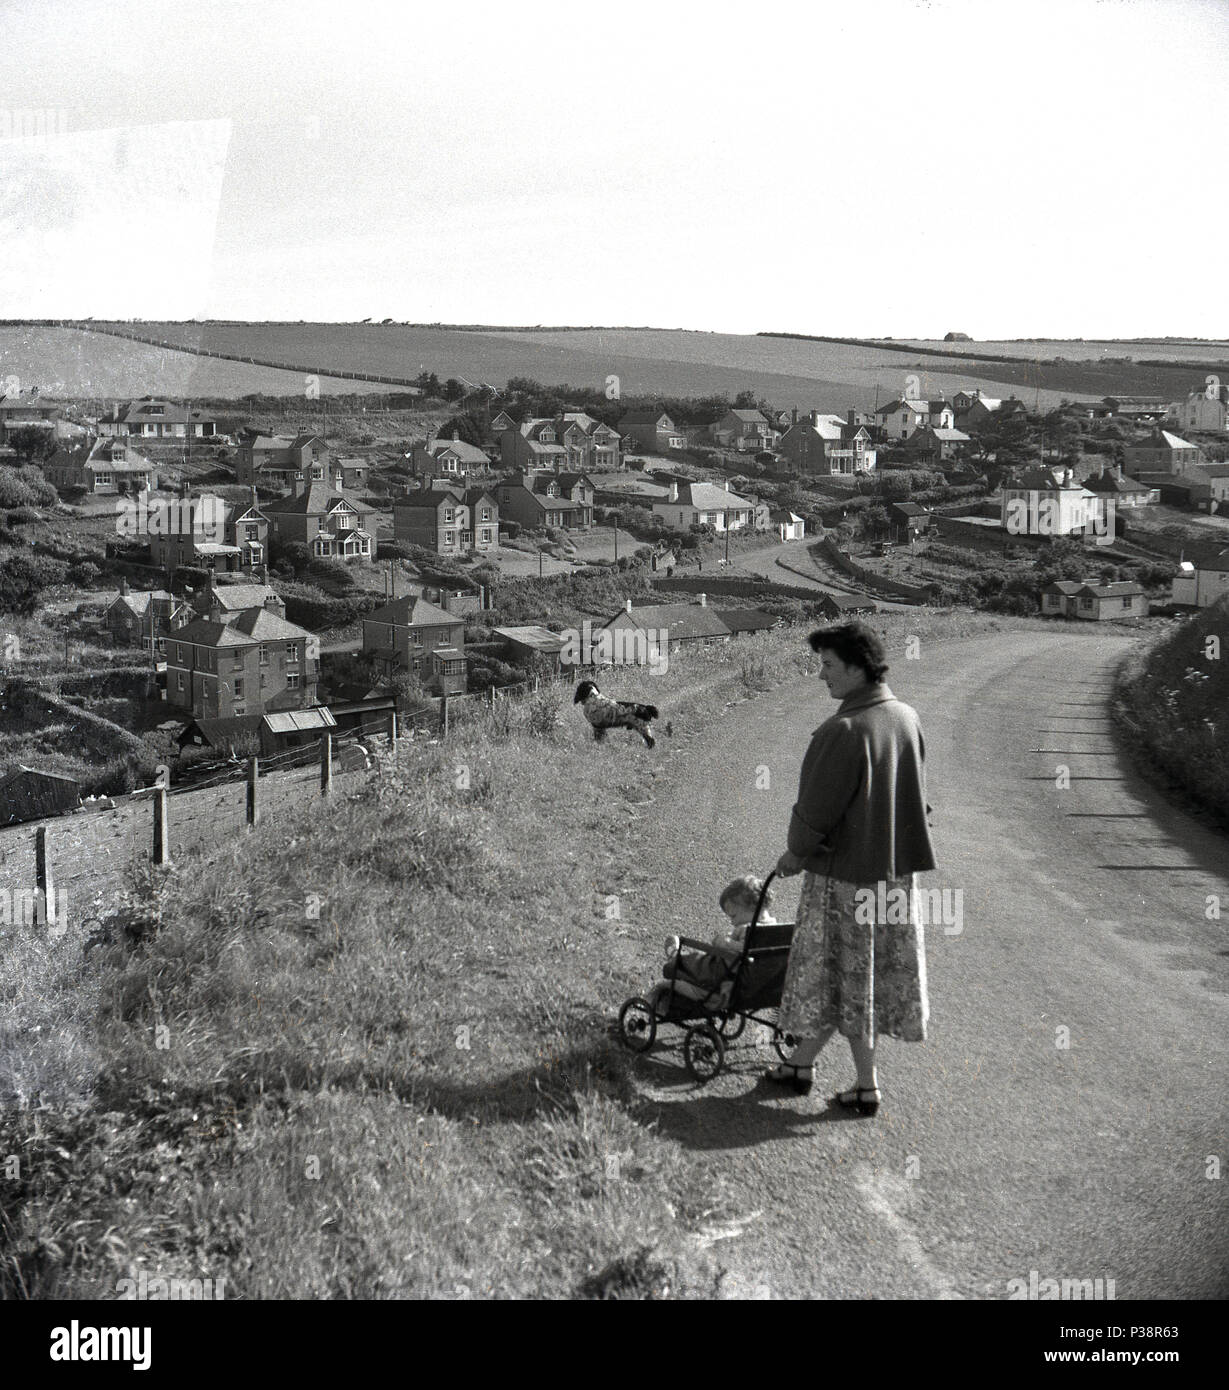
[[750, 984]]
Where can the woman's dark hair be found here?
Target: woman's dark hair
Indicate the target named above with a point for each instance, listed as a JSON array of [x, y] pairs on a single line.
[[854, 644]]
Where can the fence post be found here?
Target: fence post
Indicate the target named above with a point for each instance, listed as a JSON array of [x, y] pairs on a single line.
[[392, 730], [537, 681], [443, 716], [490, 696], [253, 777], [42, 875], [326, 764], [162, 848]]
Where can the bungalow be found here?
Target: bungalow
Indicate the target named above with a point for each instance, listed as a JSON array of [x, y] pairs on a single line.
[[28, 793], [936, 443], [144, 619], [1099, 603], [533, 643], [650, 432], [740, 620], [788, 525], [641, 634], [415, 636], [1161, 452], [701, 504], [1137, 407], [1201, 582], [106, 467], [448, 521], [1126, 492], [1058, 598], [836, 606], [745, 430], [330, 522], [252, 663], [154, 418]]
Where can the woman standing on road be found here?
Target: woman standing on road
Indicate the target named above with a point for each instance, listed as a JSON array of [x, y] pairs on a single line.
[[858, 829]]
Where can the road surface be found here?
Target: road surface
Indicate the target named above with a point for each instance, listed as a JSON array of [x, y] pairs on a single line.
[[998, 1150]]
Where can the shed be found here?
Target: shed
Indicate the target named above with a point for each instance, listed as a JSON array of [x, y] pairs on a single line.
[[846, 605], [27, 793]]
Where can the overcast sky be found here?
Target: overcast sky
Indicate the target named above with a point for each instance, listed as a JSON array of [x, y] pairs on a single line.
[[874, 167]]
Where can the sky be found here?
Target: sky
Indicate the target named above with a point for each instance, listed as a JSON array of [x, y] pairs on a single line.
[[1048, 168]]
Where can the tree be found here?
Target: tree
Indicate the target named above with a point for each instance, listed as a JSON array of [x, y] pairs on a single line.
[[32, 444], [746, 400], [464, 427]]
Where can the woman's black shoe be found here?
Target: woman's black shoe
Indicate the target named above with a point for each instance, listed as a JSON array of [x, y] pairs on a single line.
[[863, 1099], [789, 1075]]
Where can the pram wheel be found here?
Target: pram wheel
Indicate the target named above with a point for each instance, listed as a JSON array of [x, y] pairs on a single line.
[[637, 1025], [784, 1044], [703, 1051], [730, 1026]]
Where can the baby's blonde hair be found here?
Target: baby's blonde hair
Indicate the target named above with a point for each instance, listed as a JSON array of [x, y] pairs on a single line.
[[744, 890]]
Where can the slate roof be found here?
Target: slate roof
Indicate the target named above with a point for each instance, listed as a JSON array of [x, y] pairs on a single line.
[[707, 497], [251, 626], [235, 597], [412, 611], [316, 498], [746, 619], [682, 620]]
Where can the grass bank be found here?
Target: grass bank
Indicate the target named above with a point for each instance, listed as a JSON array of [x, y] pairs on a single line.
[[1172, 699], [365, 1050]]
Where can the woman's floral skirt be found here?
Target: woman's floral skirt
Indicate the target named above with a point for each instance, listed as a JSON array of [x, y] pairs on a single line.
[[857, 965]]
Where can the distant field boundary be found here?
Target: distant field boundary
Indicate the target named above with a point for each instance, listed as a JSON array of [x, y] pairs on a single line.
[[907, 349], [409, 386]]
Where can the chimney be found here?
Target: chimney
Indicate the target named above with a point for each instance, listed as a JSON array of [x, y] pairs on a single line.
[[793, 416], [727, 484], [254, 502], [813, 416], [123, 587], [703, 600], [1118, 471], [628, 605], [674, 492], [1068, 475]]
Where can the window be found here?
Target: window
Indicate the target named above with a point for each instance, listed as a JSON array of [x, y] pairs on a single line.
[[450, 516], [238, 690], [179, 681], [292, 681], [450, 538], [264, 656], [1128, 601], [292, 653], [486, 534], [486, 513], [178, 651]]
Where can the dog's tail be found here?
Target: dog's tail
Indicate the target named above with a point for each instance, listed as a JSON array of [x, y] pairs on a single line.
[[645, 711]]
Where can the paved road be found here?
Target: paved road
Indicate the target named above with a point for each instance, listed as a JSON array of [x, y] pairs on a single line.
[[1083, 909]]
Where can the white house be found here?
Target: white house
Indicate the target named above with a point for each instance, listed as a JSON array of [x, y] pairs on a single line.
[[1202, 583], [691, 504], [788, 525], [1049, 502], [1205, 411]]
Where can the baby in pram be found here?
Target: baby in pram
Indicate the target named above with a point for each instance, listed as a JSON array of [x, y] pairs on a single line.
[[707, 975]]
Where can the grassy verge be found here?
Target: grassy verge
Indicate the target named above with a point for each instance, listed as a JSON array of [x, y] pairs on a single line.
[[1171, 698], [364, 1051]]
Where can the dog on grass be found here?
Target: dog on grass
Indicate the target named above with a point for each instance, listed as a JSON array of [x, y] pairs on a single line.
[[604, 713]]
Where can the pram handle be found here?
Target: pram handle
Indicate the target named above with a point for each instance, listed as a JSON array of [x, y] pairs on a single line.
[[759, 907]]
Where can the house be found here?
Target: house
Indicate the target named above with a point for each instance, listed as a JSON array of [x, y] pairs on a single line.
[[19, 411], [276, 462], [27, 793], [502, 421], [136, 619], [1126, 492], [836, 606], [347, 473], [1049, 502], [223, 603], [106, 467], [415, 636], [740, 620], [219, 538], [563, 501], [1193, 489], [825, 445], [974, 410], [1100, 603], [937, 444], [1058, 597], [640, 634], [332, 523], [1161, 452], [571, 440], [231, 737], [1206, 411], [154, 418], [1137, 407], [452, 459], [745, 430], [788, 525], [250, 664], [650, 432], [448, 521], [704, 504], [909, 518], [533, 643], [1201, 582]]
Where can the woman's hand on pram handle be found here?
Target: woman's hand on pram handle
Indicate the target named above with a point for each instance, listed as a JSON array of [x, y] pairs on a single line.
[[789, 864]]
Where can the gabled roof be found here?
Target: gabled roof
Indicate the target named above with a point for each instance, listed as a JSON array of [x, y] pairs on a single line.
[[1160, 439], [1218, 564], [20, 769], [747, 619], [1062, 586], [1111, 482], [467, 453], [234, 598], [707, 497], [634, 418], [412, 611], [1041, 480], [217, 733], [851, 602], [749, 417], [681, 620], [534, 635], [155, 410], [1118, 589], [139, 601], [949, 436], [318, 498], [430, 499], [569, 480], [918, 407], [250, 626]]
